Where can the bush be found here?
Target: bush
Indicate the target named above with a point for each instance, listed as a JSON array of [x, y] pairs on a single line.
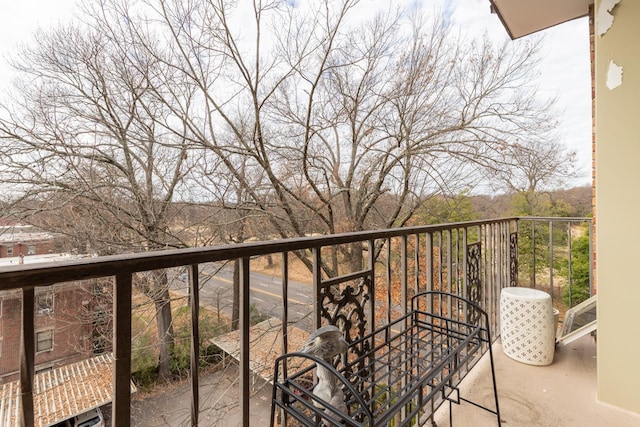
[[146, 377], [145, 356], [210, 354], [579, 290], [142, 352], [144, 361]]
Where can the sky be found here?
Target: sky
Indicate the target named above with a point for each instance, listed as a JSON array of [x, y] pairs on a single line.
[[564, 69]]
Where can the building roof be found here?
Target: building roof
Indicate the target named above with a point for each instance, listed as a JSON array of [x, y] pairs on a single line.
[[523, 17], [62, 393], [265, 341], [25, 238], [17, 233], [33, 259]]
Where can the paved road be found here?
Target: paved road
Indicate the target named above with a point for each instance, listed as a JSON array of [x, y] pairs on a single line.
[[266, 293]]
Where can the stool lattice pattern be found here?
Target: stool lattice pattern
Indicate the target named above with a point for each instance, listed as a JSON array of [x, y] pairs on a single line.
[[527, 329]]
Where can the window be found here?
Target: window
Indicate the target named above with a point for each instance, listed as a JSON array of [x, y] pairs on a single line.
[[44, 340], [44, 303], [1, 338], [31, 250], [579, 320], [9, 250]]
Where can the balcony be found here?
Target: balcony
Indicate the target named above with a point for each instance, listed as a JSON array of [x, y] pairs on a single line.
[[358, 281]]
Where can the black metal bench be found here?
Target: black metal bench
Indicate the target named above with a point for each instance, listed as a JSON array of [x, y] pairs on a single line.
[[397, 375]]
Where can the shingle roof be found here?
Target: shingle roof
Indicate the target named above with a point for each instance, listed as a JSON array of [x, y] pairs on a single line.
[[265, 345], [62, 393]]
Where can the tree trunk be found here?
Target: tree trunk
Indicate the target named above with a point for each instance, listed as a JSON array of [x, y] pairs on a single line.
[[165, 334], [159, 293], [356, 258]]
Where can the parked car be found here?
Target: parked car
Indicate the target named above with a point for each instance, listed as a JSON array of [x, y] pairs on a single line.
[[91, 418]]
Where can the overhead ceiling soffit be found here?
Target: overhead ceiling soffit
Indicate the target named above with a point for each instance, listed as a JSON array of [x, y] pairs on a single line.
[[524, 17]]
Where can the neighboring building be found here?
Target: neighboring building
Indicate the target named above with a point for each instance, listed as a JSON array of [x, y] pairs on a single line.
[[63, 393], [64, 324], [24, 240]]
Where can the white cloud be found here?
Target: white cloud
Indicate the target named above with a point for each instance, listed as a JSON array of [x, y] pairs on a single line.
[[19, 20], [565, 72]]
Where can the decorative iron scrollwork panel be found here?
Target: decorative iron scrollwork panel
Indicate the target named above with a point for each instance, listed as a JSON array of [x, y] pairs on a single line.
[[513, 259], [474, 283], [343, 305]]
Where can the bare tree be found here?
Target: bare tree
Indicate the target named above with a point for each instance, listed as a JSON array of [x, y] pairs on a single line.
[[326, 116], [330, 107], [536, 166], [92, 151]]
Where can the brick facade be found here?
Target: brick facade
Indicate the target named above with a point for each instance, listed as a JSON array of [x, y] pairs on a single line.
[[25, 248], [63, 314], [24, 240]]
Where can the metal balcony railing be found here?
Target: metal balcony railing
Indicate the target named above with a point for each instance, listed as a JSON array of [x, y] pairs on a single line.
[[360, 281]]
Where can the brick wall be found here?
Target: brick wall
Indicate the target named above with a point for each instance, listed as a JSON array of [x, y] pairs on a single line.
[[23, 248], [70, 321]]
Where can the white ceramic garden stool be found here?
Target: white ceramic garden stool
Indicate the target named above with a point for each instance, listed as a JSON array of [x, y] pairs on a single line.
[[527, 325]]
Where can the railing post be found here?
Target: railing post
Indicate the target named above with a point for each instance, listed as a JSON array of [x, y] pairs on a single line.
[[372, 289], [404, 279], [460, 234], [417, 271], [285, 301], [551, 260], [317, 291], [503, 250], [281, 417], [533, 253], [449, 252], [569, 265], [462, 290], [27, 356], [429, 261], [244, 341], [388, 272], [195, 342], [440, 258], [121, 409]]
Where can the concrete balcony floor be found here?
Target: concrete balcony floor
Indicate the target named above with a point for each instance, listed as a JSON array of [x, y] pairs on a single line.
[[562, 394]]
